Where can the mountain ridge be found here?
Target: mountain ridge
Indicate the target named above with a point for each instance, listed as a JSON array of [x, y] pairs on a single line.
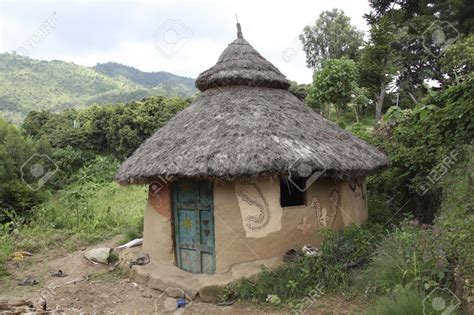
[[30, 84]]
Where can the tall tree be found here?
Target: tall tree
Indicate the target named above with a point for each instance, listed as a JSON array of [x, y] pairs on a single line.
[[378, 63], [331, 37], [426, 30]]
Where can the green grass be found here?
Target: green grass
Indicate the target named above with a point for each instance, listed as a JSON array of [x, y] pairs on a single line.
[[402, 302], [81, 214]]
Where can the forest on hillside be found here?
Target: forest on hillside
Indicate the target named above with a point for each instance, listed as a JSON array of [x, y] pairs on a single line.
[[33, 85], [405, 87]]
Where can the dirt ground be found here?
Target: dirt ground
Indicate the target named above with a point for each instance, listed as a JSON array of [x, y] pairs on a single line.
[[99, 289]]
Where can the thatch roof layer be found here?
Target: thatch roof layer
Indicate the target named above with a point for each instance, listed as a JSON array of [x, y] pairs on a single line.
[[241, 64], [243, 131], [247, 124]]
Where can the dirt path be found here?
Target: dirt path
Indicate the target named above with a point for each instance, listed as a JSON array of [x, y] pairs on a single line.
[[98, 289]]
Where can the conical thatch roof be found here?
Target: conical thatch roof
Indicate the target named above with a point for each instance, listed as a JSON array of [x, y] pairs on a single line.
[[246, 124]]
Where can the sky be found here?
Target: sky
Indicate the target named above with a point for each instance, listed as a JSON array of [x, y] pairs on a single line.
[[181, 37]]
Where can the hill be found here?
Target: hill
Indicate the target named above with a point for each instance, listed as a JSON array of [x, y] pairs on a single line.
[[149, 79], [27, 84]]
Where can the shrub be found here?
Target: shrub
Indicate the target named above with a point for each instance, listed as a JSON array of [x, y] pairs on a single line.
[[423, 138], [456, 219], [402, 301], [354, 244], [329, 271], [409, 256]]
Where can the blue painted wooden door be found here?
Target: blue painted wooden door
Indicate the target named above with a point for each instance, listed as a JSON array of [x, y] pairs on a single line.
[[193, 211]]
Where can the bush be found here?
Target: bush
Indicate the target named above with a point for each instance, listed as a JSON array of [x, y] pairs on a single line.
[[409, 256], [422, 140], [354, 244], [403, 301], [329, 271], [456, 219]]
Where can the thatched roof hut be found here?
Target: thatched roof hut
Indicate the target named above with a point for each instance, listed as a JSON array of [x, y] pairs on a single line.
[[246, 123], [225, 156]]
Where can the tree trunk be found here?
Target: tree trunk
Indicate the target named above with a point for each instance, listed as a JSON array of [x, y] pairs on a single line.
[[379, 103]]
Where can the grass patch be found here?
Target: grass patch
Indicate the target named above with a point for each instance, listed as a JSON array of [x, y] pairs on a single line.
[[401, 302], [330, 272], [81, 214]]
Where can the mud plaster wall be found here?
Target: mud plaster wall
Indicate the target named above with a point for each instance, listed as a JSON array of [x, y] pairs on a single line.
[[299, 225], [157, 233]]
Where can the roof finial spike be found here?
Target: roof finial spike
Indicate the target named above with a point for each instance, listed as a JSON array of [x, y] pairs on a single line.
[[239, 30]]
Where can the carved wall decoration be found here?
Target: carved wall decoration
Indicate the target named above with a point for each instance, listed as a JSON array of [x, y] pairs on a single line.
[[304, 226], [259, 221], [326, 218], [260, 210], [357, 188]]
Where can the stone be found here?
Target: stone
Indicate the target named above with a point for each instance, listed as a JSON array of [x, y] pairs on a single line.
[[98, 255]]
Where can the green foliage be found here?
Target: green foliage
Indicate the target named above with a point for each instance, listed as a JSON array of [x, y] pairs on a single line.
[[90, 209], [179, 86], [403, 301], [458, 59], [416, 24], [291, 281], [15, 150], [410, 256], [330, 271], [427, 141], [353, 244], [334, 84], [331, 37], [456, 218], [27, 84], [108, 129]]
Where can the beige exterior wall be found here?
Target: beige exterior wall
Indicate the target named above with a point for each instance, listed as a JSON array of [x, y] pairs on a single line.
[[157, 232], [299, 225], [328, 203]]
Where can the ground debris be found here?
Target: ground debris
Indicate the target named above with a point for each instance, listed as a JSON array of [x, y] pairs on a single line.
[[142, 260], [24, 307], [28, 281]]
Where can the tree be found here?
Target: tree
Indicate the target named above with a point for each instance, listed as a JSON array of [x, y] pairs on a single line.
[[425, 30], [331, 37], [334, 84], [378, 63], [360, 100], [458, 59]]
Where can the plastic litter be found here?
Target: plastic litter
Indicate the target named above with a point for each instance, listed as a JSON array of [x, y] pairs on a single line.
[[135, 242]]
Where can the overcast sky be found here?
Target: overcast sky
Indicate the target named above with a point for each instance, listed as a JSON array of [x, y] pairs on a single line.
[[182, 37]]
